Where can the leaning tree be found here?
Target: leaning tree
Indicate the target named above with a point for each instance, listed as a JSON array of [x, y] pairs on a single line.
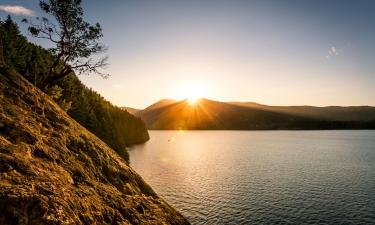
[[75, 43]]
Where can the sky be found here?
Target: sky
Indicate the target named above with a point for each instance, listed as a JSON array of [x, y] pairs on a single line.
[[272, 52]]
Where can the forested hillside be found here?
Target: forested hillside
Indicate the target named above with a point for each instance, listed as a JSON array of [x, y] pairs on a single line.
[[113, 125]]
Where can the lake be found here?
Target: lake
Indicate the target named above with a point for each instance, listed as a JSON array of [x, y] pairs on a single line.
[[262, 177]]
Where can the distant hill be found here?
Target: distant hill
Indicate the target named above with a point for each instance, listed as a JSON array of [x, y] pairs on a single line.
[[156, 105], [349, 113], [214, 115], [130, 110], [159, 104]]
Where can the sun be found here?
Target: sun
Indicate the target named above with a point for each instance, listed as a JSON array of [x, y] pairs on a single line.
[[193, 100], [192, 93]]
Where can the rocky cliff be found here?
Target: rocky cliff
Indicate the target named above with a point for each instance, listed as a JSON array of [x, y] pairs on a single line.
[[54, 171]]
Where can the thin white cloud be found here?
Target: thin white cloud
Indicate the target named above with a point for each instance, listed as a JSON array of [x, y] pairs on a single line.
[[118, 86], [332, 52], [16, 10]]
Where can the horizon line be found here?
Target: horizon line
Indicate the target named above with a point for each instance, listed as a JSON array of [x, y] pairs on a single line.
[[235, 101]]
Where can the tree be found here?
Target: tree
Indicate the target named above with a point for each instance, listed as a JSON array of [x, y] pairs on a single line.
[[75, 41]]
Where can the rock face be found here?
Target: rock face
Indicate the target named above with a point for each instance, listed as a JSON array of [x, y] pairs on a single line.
[[53, 171]]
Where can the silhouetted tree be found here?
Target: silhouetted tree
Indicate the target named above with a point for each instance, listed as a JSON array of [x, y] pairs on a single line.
[[75, 40]]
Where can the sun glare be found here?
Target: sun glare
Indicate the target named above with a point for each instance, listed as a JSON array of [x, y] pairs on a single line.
[[193, 100], [192, 91]]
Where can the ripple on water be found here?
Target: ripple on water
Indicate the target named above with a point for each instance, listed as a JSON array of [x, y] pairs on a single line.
[[254, 177]]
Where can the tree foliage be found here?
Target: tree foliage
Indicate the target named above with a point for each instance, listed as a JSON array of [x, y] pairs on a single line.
[[75, 41]]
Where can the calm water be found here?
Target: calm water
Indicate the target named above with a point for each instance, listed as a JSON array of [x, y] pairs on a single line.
[[263, 177]]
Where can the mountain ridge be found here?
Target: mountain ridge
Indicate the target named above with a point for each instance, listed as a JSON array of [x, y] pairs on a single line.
[[173, 114]]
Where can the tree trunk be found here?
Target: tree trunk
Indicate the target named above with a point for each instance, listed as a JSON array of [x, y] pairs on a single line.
[[53, 78]]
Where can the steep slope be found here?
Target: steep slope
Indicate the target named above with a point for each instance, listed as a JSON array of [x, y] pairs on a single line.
[[214, 115], [54, 171]]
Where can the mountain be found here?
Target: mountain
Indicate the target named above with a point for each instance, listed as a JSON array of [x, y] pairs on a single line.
[[159, 104], [156, 105], [348, 113], [214, 115], [54, 171], [130, 110]]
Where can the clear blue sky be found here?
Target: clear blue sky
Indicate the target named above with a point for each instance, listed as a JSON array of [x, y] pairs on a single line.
[[272, 52]]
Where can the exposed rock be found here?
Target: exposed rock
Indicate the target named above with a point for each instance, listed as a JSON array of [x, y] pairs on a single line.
[[54, 171]]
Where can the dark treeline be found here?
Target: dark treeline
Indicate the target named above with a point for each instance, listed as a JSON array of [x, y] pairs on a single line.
[[113, 125]]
